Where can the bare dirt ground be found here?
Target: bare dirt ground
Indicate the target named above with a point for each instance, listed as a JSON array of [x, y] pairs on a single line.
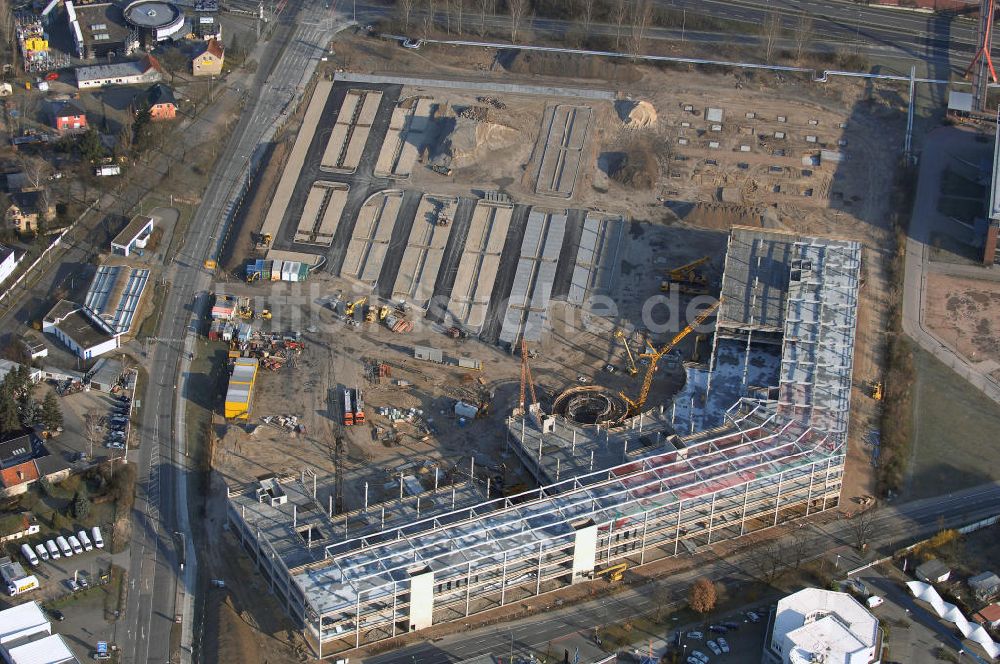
[[966, 313]]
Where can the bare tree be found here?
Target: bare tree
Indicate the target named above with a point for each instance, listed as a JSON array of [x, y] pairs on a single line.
[[92, 430], [799, 547], [447, 16], [803, 34], [772, 28], [405, 8], [586, 11], [484, 6], [620, 12], [642, 16], [862, 528], [768, 561], [460, 7], [517, 8], [429, 16]]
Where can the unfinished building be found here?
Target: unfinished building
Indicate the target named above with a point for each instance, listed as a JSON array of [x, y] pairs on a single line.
[[761, 440]]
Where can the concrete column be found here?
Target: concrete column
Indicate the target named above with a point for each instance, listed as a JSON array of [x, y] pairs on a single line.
[[421, 598], [584, 550]]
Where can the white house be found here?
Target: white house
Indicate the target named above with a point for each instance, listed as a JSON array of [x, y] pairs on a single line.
[[85, 333], [8, 261], [816, 625]]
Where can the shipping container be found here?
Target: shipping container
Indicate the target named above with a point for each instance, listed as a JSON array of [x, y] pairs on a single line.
[[303, 271], [276, 270], [470, 363]]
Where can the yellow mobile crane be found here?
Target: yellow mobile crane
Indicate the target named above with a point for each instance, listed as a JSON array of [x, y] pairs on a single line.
[[635, 406], [632, 369], [687, 278]]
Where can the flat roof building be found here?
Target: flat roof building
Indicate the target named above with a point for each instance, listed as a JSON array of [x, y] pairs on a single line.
[[138, 72], [815, 625], [115, 296], [133, 236], [21, 621], [83, 331], [51, 649]]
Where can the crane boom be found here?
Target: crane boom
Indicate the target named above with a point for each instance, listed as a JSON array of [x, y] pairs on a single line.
[[685, 271], [635, 406], [526, 379], [632, 368]]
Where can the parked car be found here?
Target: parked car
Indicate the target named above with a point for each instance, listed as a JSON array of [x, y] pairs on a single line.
[[693, 660], [75, 543], [85, 541], [73, 585], [753, 617], [42, 552], [723, 644], [700, 656], [98, 540], [695, 635], [64, 546], [714, 647], [729, 624], [53, 550], [718, 629], [56, 614], [82, 580]]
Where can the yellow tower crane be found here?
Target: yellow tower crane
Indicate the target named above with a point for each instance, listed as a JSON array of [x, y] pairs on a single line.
[[687, 278], [632, 368], [635, 405]]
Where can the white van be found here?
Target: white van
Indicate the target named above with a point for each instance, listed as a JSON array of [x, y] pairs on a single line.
[[64, 546], [874, 601], [53, 550], [98, 540], [85, 541], [29, 555], [75, 543], [42, 552]]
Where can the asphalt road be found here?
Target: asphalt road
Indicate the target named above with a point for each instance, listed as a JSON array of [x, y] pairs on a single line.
[[892, 526], [285, 64]]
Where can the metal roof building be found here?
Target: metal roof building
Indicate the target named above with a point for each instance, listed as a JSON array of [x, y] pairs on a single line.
[[115, 295], [633, 494]]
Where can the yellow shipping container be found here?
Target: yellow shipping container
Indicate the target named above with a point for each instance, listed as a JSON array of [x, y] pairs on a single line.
[[241, 389], [36, 44]]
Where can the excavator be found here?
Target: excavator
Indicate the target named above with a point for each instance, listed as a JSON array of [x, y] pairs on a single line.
[[632, 368], [252, 277], [687, 279], [635, 405], [351, 306], [615, 572]]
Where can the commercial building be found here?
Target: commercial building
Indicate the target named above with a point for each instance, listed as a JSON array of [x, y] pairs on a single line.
[[133, 236], [139, 72], [764, 449], [99, 30], [991, 236], [51, 649], [240, 391], [26, 637], [84, 332], [816, 625], [21, 621]]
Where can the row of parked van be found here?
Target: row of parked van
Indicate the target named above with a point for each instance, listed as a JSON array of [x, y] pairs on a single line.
[[63, 546]]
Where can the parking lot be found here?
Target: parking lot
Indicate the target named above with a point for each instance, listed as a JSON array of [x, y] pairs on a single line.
[[744, 637], [87, 426]]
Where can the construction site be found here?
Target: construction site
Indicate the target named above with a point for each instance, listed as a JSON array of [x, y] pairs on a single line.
[[507, 366]]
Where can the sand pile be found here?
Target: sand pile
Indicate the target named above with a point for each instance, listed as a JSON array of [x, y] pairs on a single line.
[[472, 140], [636, 114]]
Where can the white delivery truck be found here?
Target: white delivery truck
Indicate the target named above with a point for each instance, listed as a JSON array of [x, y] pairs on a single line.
[[98, 540], [64, 546], [42, 552], [75, 543], [53, 550], [85, 541], [29, 555]]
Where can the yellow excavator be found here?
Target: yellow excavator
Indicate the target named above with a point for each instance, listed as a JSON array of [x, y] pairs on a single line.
[[615, 572], [351, 306], [265, 314], [687, 279], [632, 368], [383, 311], [635, 405], [252, 277]]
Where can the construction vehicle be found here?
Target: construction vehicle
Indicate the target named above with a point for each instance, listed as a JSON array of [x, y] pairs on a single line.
[[359, 406], [210, 264], [615, 572], [351, 306], [264, 240], [265, 314], [635, 405], [877, 390], [348, 409], [370, 313], [246, 313], [632, 368], [383, 311], [455, 332], [687, 279], [252, 277]]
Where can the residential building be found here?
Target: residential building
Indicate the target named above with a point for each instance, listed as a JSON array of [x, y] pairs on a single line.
[[133, 236], [15, 526], [933, 571], [985, 586], [8, 261], [29, 210], [209, 62], [68, 116], [815, 625], [84, 332], [989, 616], [144, 71], [158, 100], [17, 464]]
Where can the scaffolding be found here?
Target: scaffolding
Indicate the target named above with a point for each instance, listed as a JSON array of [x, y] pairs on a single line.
[[633, 494]]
